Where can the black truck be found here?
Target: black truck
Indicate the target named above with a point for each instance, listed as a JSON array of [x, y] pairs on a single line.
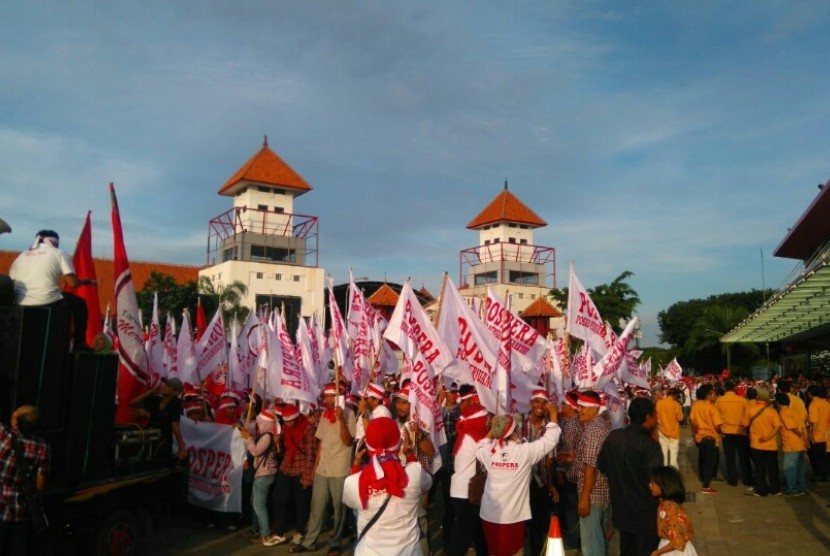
[[103, 492]]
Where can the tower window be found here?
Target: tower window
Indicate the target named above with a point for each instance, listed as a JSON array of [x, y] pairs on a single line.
[[511, 225], [519, 277], [296, 277], [486, 242], [511, 239], [259, 276], [496, 240], [523, 241], [263, 189], [263, 208], [486, 278], [279, 210], [277, 276]]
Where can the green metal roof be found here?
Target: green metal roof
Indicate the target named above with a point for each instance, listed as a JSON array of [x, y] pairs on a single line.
[[802, 305]]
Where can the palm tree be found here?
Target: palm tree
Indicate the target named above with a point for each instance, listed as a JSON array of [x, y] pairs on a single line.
[[708, 329], [227, 296]]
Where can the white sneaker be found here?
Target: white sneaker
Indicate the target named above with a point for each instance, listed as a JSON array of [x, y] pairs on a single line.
[[273, 540], [297, 538]]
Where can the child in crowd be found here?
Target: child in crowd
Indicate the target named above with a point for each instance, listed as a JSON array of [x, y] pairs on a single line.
[[673, 524]]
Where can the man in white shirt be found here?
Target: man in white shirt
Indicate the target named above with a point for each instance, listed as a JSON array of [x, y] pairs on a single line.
[[36, 273]]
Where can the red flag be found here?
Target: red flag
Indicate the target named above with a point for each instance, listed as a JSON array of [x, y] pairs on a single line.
[[85, 270], [201, 320], [133, 377]]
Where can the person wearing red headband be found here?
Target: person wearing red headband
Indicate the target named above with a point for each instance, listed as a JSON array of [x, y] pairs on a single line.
[[335, 431], [371, 406], [470, 428], [296, 474], [543, 491], [505, 505], [566, 474], [592, 484], [386, 489], [263, 447]]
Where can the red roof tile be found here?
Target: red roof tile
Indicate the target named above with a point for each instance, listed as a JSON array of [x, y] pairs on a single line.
[[506, 207], [266, 168], [425, 292], [384, 296], [105, 274], [541, 308]]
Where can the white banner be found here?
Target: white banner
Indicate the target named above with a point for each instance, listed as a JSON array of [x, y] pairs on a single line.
[[608, 367], [216, 454], [212, 351], [527, 345], [294, 382]]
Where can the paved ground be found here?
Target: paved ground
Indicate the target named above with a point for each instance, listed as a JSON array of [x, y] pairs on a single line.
[[729, 523]]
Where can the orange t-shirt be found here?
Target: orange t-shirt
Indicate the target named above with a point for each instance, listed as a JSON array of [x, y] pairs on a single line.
[[819, 414], [706, 420], [732, 408], [669, 415], [764, 423], [792, 432]]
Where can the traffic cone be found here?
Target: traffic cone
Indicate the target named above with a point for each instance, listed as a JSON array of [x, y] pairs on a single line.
[[554, 545]]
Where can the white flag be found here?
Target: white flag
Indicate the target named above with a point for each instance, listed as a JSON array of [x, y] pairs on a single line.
[[584, 321], [673, 371], [608, 367], [340, 338], [212, 351], [153, 345], [306, 355], [186, 351], [170, 363], [528, 347], [467, 336]]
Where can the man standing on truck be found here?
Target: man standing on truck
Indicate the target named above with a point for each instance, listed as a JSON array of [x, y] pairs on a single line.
[[19, 438], [36, 272]]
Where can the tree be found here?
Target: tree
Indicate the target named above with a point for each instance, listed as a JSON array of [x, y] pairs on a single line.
[[616, 301], [694, 328], [173, 297], [228, 296]]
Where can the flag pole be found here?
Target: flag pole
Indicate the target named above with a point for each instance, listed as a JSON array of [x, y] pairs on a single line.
[[437, 315]]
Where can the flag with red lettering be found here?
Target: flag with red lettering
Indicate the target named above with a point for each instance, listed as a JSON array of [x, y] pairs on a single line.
[[133, 375], [243, 353], [673, 371], [411, 330], [343, 356], [289, 379], [556, 375], [306, 354], [528, 347], [212, 352], [608, 367], [581, 367], [423, 398], [154, 345], [170, 361], [468, 337], [320, 351], [85, 270], [387, 362], [584, 320], [361, 316]]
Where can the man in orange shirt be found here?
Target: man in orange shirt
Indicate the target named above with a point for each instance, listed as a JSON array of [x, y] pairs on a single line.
[[706, 424], [793, 444], [763, 423], [818, 415], [669, 416], [732, 408]]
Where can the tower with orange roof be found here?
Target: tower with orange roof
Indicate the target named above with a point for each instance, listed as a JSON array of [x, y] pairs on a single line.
[[263, 243]]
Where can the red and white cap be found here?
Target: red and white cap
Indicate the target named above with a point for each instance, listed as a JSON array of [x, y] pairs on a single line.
[[266, 415], [571, 398], [374, 391], [588, 401], [403, 393], [466, 392], [290, 412], [227, 404], [539, 395], [330, 389]]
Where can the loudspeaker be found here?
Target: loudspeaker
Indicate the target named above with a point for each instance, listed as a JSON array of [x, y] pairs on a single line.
[[34, 356], [91, 415]]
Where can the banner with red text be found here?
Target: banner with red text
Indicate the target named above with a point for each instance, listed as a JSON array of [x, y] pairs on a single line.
[[216, 454]]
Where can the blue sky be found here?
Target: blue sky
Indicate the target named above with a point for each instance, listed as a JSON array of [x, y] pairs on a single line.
[[674, 139]]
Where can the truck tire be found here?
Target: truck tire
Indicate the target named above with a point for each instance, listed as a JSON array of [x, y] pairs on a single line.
[[117, 535]]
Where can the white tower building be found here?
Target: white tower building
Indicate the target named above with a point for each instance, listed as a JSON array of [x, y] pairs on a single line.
[[263, 243]]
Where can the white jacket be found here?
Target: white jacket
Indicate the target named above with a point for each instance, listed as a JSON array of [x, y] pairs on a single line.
[[507, 490]]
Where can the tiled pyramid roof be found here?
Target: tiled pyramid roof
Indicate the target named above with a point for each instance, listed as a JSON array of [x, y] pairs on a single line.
[[384, 296], [266, 168], [541, 308], [506, 207], [105, 274]]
